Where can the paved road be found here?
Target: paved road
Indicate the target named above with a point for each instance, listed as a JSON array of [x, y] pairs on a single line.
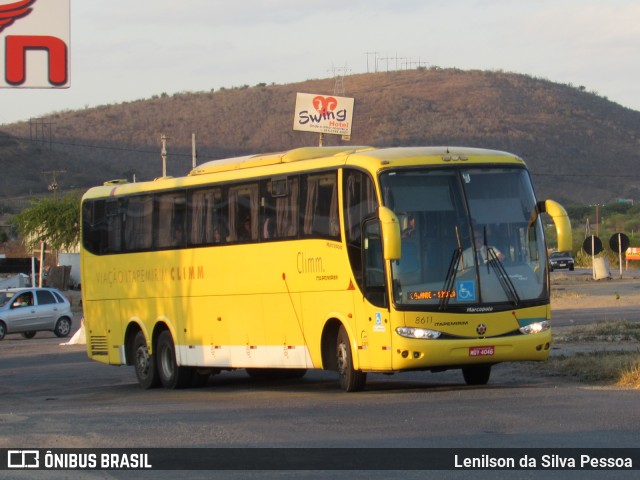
[[53, 396]]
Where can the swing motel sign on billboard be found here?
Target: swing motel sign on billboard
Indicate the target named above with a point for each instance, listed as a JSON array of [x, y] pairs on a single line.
[[323, 114], [34, 43]]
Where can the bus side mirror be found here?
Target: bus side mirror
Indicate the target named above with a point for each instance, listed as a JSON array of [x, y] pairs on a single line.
[[391, 239], [561, 220]]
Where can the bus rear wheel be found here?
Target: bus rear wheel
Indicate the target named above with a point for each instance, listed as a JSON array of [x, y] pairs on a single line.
[[477, 375], [171, 375], [145, 364], [351, 380]]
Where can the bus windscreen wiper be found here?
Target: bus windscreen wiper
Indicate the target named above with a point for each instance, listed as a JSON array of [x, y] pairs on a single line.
[[503, 277], [451, 278]]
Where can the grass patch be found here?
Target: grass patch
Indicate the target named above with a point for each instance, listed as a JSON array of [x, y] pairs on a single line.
[[616, 367], [558, 293], [606, 331], [613, 367]]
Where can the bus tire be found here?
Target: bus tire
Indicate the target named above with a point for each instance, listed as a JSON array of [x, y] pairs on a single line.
[[145, 364], [351, 380], [171, 375], [477, 375]]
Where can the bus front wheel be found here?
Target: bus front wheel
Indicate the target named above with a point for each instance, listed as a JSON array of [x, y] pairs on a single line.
[[144, 363], [171, 375], [351, 380], [477, 375]]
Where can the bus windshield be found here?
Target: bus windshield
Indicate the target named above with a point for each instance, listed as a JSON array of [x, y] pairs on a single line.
[[470, 239]]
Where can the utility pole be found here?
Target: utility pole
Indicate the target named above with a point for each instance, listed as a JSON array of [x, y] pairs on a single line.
[[338, 75], [375, 60], [38, 130], [194, 152], [53, 186], [163, 154]]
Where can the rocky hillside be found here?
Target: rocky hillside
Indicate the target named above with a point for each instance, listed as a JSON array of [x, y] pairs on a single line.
[[580, 147]]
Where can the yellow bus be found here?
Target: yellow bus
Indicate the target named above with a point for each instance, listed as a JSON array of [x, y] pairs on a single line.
[[353, 260]]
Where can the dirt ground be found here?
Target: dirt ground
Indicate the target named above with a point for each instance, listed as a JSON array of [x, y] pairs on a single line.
[[615, 291]]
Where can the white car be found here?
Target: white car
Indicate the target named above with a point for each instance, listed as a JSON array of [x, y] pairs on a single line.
[[30, 310]]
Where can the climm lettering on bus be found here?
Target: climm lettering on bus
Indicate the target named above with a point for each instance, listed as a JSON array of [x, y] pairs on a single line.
[[175, 274], [307, 264], [305, 117]]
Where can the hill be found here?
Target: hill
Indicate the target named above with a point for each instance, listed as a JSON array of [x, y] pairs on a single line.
[[580, 147]]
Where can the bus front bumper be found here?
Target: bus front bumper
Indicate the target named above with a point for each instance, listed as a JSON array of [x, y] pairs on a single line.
[[418, 354]]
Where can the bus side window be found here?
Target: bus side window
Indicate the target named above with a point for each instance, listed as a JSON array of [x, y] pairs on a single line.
[[243, 213], [94, 226], [280, 216], [374, 279], [115, 218], [359, 202], [207, 217], [320, 215], [170, 211], [287, 210], [138, 222]]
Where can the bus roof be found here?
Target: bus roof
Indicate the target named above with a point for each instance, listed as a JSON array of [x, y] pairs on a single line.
[[314, 158], [250, 161], [397, 155]]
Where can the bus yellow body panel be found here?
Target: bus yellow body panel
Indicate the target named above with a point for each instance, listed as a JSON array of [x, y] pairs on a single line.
[[330, 244]]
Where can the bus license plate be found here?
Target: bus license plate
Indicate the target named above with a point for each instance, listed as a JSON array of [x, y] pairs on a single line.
[[481, 351]]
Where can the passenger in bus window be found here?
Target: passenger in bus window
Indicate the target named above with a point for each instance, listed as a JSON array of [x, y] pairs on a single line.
[[268, 228], [217, 234], [178, 237], [245, 230]]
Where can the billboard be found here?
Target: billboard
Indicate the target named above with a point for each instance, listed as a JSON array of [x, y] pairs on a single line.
[[34, 43], [323, 114]]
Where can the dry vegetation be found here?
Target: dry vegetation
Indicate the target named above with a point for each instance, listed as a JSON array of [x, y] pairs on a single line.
[[610, 353], [561, 130]]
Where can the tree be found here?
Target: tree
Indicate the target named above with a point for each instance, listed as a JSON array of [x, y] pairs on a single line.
[[53, 221]]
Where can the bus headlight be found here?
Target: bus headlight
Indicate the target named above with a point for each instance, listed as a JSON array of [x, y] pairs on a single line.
[[536, 327], [412, 332]]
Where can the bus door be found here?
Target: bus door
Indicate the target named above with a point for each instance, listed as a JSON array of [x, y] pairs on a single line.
[[372, 303]]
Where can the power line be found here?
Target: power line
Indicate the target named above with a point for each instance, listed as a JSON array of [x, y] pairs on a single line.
[[38, 129], [177, 154], [108, 147], [375, 60]]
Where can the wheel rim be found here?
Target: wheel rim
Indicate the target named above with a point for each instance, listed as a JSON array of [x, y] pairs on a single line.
[[343, 358], [63, 327], [142, 361]]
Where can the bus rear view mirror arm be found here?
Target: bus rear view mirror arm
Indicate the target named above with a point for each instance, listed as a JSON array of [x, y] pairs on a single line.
[[561, 221], [390, 233]]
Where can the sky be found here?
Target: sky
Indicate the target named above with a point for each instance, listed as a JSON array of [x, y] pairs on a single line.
[[124, 50]]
